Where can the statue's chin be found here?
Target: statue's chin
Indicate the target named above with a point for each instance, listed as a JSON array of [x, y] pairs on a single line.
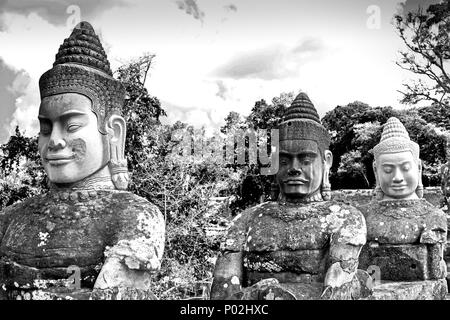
[[410, 196], [65, 176]]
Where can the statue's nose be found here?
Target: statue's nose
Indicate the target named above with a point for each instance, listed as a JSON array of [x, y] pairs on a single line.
[[56, 142], [398, 177], [294, 171]]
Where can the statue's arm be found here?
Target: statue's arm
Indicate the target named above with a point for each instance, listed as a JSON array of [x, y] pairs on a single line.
[[434, 236], [130, 263], [228, 275], [229, 270], [345, 246]]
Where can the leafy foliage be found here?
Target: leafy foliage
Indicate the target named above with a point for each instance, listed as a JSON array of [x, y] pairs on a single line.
[[426, 36], [356, 129], [21, 173]]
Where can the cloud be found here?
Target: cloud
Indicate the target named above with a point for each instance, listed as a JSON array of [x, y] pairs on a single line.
[[230, 7], [13, 84], [222, 89], [191, 7], [56, 11], [275, 62]]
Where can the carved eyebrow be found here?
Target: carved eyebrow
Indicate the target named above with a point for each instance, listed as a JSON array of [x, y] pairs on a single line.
[[69, 113], [393, 164]]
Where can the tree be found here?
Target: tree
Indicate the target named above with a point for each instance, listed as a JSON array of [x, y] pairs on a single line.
[[356, 129], [427, 39], [21, 172], [141, 110]]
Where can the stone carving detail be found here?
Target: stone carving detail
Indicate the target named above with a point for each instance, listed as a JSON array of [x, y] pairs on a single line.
[[113, 239], [406, 235], [299, 246]]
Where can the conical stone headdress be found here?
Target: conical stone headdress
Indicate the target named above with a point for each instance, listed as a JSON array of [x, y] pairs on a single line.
[[394, 139], [82, 67], [301, 122]]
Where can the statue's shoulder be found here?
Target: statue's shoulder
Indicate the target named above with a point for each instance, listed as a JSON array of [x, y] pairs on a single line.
[[433, 213], [35, 202], [341, 208], [140, 231], [128, 203], [346, 222], [369, 207], [249, 213]]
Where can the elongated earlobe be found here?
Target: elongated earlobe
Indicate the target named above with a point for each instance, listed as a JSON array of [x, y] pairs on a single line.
[[419, 190], [379, 194], [326, 186], [118, 163]]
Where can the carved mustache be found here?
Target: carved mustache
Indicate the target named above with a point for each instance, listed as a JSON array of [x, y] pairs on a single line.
[[75, 149]]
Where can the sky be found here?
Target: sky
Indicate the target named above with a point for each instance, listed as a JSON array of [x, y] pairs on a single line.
[[212, 56]]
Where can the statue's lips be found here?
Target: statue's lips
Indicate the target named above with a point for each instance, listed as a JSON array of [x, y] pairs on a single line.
[[295, 181], [58, 160], [398, 187]]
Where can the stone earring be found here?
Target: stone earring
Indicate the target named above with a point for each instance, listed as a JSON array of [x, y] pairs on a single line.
[[119, 173]]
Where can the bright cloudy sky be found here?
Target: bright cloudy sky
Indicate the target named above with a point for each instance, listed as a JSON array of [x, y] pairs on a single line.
[[212, 56]]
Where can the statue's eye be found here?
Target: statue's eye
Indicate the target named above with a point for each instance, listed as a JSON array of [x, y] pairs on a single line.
[[387, 169], [306, 162], [73, 127], [406, 167], [45, 128]]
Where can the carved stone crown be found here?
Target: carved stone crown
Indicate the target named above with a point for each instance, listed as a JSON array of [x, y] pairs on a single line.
[[394, 139], [82, 67], [301, 122]]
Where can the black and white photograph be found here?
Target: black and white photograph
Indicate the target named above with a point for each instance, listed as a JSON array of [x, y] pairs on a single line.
[[216, 156]]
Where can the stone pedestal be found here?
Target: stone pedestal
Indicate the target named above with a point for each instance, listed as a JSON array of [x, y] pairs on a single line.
[[410, 290]]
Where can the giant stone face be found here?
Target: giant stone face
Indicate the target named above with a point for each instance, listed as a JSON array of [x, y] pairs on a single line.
[[301, 169], [70, 145], [398, 175]]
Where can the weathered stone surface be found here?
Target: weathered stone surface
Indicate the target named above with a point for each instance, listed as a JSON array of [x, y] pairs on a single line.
[[411, 290], [43, 236], [290, 243], [397, 262], [400, 239]]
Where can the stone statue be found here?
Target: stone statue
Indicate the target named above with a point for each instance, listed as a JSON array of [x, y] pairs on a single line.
[[87, 224], [406, 235], [302, 246]]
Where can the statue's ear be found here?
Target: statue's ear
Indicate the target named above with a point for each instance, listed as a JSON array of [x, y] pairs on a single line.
[[328, 158], [419, 190], [117, 129], [326, 186], [379, 194], [374, 168]]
